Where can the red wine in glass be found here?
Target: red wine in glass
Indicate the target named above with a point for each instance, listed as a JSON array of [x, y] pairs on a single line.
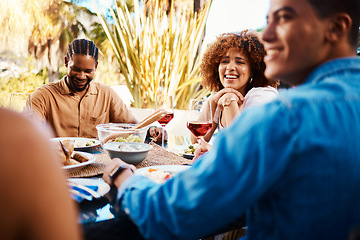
[[199, 128], [165, 103], [166, 119]]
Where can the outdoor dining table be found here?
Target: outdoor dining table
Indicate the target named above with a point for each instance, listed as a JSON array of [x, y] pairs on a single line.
[[100, 218]]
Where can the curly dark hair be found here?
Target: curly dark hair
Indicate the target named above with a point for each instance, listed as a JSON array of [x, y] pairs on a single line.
[[246, 42]]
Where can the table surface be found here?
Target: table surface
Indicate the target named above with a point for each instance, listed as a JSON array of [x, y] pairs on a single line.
[[99, 218]]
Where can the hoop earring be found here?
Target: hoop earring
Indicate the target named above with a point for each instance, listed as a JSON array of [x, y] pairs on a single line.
[[251, 79]]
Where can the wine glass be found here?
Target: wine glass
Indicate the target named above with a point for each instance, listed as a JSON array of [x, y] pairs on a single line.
[[166, 103], [199, 126]]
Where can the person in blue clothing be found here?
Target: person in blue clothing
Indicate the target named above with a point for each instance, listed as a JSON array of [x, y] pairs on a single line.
[[292, 165]]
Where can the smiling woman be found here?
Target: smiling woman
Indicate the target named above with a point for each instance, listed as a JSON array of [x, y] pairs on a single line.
[[233, 68]]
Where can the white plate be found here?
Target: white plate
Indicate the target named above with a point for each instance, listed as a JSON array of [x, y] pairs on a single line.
[[80, 143], [103, 187], [77, 167], [161, 176], [181, 151], [173, 169]]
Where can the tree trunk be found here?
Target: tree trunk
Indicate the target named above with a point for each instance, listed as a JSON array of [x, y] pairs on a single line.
[[53, 60], [53, 75], [198, 4]]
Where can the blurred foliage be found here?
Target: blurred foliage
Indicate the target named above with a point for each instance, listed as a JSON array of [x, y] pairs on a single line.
[[17, 18], [158, 51], [42, 28], [165, 38], [22, 80]]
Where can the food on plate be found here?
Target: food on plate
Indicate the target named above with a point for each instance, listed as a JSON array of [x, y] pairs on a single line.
[[68, 146], [79, 157], [60, 152], [191, 149], [71, 162], [67, 156], [79, 143], [131, 138], [158, 175], [83, 142]]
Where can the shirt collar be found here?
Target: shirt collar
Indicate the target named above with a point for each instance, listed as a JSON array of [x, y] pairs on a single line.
[[332, 67], [65, 90]]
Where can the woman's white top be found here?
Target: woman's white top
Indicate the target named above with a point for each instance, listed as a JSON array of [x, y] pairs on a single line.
[[259, 95]]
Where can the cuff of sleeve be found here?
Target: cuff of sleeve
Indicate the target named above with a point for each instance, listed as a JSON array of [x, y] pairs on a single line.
[[134, 182]]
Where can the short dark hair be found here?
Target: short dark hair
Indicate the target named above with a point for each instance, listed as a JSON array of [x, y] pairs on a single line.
[[326, 8], [82, 47]]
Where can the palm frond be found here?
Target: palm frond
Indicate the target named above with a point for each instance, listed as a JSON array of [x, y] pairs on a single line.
[[158, 51]]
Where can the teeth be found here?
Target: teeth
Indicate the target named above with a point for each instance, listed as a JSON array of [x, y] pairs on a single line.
[[231, 76], [272, 52]]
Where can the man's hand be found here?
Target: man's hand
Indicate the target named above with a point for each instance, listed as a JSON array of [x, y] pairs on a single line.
[[125, 174], [203, 148]]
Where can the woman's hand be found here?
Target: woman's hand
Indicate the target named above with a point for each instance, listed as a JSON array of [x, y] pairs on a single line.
[[225, 96], [113, 166], [218, 98], [203, 148]]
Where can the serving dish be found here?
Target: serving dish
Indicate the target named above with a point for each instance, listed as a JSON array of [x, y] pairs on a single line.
[[130, 152], [120, 132]]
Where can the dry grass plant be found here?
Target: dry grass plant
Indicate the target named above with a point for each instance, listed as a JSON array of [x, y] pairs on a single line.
[[158, 52]]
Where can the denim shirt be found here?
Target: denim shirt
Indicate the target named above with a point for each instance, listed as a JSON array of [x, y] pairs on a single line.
[[292, 165]]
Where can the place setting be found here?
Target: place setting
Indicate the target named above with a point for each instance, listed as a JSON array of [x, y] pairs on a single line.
[[125, 141], [81, 144]]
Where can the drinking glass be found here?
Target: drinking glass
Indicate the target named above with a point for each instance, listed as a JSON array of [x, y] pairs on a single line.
[[166, 103], [199, 127]]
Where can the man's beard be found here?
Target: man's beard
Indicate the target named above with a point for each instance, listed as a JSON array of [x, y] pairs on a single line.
[[74, 87]]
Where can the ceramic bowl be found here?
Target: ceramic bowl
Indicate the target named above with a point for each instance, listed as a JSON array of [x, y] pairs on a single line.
[[130, 152]]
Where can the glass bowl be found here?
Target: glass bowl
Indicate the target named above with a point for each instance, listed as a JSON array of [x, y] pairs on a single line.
[[120, 132]]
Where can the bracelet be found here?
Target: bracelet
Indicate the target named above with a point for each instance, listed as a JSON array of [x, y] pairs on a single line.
[[228, 101], [117, 171]]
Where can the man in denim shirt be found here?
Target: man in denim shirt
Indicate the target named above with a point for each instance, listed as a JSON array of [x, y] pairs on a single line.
[[292, 165]]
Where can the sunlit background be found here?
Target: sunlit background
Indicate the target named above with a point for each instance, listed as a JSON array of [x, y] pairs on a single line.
[[35, 35]]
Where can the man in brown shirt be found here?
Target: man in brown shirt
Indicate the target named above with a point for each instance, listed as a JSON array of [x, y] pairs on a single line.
[[74, 105]]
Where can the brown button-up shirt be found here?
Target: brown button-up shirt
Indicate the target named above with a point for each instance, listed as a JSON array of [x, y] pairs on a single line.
[[72, 116]]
